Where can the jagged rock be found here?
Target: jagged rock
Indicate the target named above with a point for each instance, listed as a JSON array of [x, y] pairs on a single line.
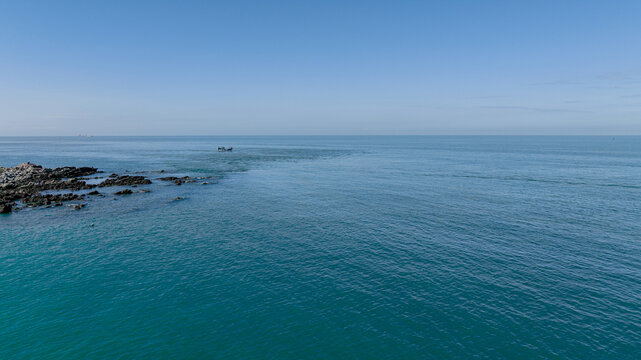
[[25, 182], [49, 199], [124, 192], [90, 178], [178, 180], [72, 172], [125, 180]]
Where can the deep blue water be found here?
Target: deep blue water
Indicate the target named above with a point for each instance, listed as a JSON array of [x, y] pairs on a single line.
[[332, 247]]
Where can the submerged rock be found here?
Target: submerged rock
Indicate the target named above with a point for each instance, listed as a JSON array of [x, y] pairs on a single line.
[[124, 192]]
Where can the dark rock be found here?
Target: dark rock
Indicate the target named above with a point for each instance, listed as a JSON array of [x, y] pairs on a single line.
[[178, 198], [5, 208], [72, 172], [178, 180], [124, 192], [27, 181], [125, 180], [78, 206], [49, 199]]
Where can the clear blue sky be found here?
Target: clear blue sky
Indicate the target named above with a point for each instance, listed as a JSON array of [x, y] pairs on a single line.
[[320, 67]]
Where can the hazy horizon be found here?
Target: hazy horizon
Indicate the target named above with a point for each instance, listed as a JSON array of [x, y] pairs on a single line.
[[320, 68], [315, 135]]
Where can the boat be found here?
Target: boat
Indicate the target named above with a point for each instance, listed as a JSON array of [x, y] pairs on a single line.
[[224, 149]]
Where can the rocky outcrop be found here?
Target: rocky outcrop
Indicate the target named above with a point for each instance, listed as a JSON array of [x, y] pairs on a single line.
[[125, 180], [26, 182], [72, 172], [28, 172], [178, 180], [49, 199]]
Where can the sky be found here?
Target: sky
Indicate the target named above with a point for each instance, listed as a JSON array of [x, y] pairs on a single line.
[[320, 67]]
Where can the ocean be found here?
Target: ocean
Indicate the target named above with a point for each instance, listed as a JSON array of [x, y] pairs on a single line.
[[408, 247]]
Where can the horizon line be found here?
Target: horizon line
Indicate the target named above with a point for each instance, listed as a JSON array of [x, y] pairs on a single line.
[[317, 135]]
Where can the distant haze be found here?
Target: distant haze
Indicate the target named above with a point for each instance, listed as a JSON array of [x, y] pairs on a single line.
[[319, 67]]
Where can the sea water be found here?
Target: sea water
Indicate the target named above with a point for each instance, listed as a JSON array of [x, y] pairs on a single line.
[[331, 247]]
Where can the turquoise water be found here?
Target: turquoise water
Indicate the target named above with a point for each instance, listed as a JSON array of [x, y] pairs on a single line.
[[332, 247]]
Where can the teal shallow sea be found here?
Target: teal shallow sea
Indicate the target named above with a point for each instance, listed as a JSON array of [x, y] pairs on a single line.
[[331, 247]]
